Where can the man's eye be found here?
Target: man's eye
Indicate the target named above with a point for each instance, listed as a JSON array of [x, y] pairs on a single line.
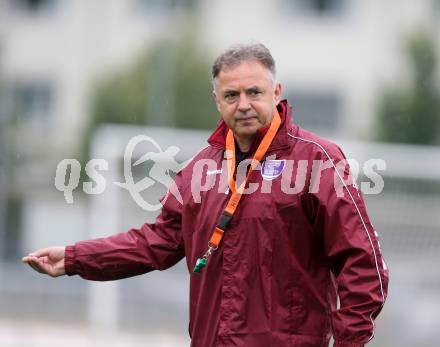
[[254, 92], [230, 96]]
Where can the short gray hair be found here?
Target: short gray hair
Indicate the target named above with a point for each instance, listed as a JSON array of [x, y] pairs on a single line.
[[238, 53]]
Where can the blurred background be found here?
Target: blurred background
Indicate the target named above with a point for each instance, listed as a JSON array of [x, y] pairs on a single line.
[[79, 79]]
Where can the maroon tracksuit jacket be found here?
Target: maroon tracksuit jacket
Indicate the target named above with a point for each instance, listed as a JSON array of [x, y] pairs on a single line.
[[284, 259]]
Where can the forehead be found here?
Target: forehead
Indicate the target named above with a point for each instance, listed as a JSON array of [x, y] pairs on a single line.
[[247, 73]]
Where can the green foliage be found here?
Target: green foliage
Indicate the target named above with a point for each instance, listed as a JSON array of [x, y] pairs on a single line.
[[413, 115], [121, 97], [194, 102], [169, 85]]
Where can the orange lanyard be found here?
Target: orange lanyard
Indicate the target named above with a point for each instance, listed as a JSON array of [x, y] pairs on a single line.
[[236, 193]]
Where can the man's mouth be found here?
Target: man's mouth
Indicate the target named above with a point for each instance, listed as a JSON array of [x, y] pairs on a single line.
[[244, 119]]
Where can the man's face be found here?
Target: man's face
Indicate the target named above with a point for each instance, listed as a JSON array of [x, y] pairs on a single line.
[[246, 97]]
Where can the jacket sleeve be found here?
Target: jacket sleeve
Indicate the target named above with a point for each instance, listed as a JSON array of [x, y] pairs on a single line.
[[155, 246], [353, 253]]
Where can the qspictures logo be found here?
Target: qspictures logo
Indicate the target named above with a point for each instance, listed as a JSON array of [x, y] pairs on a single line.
[[207, 174], [68, 173], [164, 163]]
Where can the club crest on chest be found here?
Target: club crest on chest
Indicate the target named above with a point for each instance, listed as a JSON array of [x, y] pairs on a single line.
[[272, 168]]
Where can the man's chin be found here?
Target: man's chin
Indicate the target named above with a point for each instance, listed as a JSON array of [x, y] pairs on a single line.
[[247, 133]]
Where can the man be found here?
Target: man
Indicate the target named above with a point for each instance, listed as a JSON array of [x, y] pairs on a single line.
[[268, 256]]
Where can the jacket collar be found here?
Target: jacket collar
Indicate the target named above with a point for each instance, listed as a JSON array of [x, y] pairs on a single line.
[[218, 137]]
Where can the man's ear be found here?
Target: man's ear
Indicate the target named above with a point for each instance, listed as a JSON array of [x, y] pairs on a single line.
[[216, 99], [277, 92]]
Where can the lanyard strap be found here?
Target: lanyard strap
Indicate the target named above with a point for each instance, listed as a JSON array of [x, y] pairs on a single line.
[[237, 192]]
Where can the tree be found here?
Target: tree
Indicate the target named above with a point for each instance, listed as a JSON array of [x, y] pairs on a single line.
[[168, 84], [413, 115], [171, 72]]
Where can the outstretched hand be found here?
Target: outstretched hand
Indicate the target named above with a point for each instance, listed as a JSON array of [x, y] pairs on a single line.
[[49, 261]]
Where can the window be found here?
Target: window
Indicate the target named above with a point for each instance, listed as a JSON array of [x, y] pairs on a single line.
[[322, 6], [12, 234], [318, 112], [316, 6], [436, 9], [32, 101], [165, 6], [27, 103], [31, 6]]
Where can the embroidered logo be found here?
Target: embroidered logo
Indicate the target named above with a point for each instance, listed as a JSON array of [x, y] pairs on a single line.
[[271, 169], [213, 172]]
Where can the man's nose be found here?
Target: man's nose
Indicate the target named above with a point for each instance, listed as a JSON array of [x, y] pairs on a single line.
[[243, 103]]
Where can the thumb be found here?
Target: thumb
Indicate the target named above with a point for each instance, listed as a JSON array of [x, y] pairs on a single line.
[[41, 252]]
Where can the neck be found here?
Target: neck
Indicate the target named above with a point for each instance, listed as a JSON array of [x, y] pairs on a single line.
[[244, 143]]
